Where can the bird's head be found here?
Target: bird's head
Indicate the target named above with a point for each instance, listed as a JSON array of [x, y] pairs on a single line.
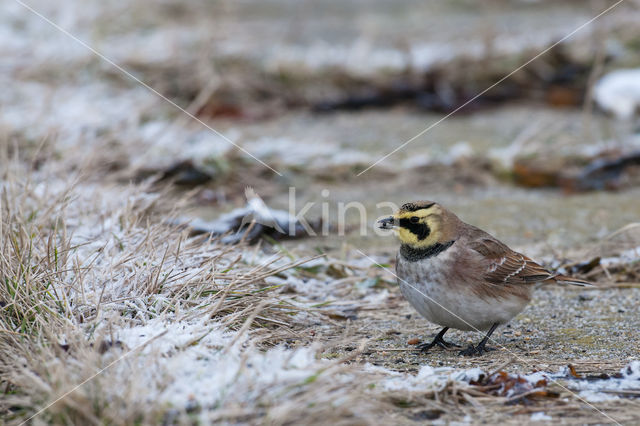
[[420, 224]]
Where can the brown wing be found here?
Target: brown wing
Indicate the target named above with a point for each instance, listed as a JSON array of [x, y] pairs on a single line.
[[506, 266]]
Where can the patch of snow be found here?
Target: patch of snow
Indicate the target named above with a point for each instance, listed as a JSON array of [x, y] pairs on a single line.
[[625, 257], [415, 161], [431, 379], [600, 390], [534, 378], [376, 298], [540, 416], [166, 336], [363, 58], [456, 152], [290, 151], [632, 371], [370, 368], [192, 363], [618, 92], [471, 375]]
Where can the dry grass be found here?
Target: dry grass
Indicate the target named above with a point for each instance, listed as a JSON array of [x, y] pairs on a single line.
[[85, 266], [110, 316], [614, 261]]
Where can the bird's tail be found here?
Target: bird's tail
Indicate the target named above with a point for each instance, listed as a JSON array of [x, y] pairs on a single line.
[[563, 279]]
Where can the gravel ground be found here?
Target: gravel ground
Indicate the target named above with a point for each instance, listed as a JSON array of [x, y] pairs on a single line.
[[593, 330], [559, 326]]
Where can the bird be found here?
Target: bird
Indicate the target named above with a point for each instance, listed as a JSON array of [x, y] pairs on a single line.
[[459, 276]]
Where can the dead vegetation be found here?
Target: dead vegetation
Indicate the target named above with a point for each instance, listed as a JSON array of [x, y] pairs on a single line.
[[75, 276], [110, 314], [615, 261], [105, 307]]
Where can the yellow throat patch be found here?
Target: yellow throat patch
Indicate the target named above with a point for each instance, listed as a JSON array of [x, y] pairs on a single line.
[[420, 228]]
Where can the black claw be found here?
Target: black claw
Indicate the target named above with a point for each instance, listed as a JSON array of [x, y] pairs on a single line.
[[470, 351], [475, 350], [481, 348], [439, 341], [448, 345], [424, 347]]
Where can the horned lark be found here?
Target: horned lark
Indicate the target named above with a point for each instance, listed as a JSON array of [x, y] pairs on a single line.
[[458, 276]]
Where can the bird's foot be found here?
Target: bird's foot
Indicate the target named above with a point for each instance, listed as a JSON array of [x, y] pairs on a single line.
[[475, 350], [424, 347], [448, 345]]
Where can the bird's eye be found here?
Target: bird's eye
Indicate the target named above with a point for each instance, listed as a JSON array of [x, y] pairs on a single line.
[[414, 219]]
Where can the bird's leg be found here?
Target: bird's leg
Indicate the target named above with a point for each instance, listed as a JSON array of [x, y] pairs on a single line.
[[438, 340], [478, 350]]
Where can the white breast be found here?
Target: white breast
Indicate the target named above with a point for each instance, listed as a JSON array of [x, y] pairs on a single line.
[[426, 288]]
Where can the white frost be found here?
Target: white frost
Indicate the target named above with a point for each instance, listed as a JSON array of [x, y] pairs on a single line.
[[431, 379], [540, 416], [619, 92]]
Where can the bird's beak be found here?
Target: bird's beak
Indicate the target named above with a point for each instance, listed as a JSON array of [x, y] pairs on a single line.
[[387, 223]]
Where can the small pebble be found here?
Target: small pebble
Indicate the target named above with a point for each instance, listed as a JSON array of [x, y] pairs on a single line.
[[413, 341]]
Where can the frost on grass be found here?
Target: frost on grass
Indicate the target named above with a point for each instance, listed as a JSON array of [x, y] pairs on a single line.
[[110, 315], [96, 290], [430, 379], [99, 292], [195, 367], [625, 383]]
